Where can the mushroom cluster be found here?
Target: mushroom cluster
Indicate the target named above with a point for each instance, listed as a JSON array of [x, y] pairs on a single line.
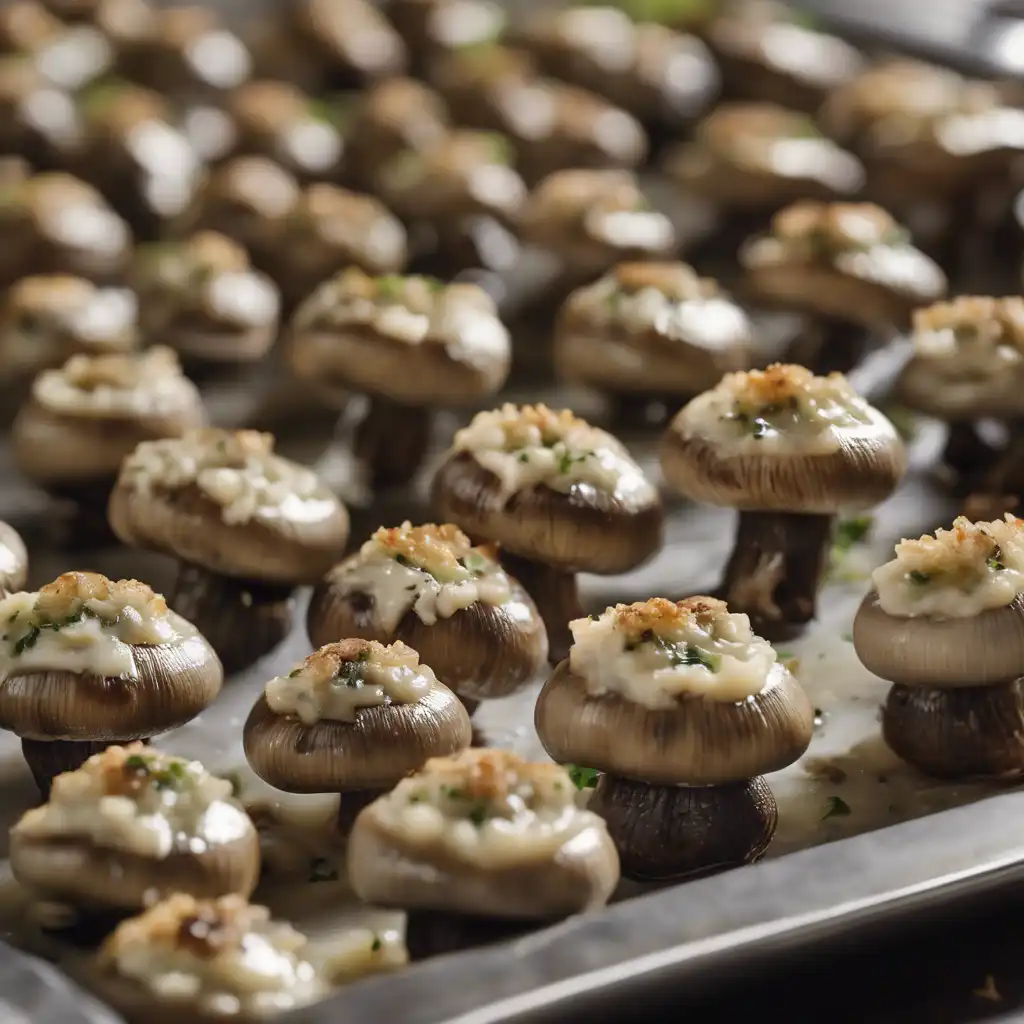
[[428, 587], [481, 835], [86, 662], [557, 496], [412, 344], [683, 708], [247, 526], [133, 823], [944, 623], [789, 450], [354, 718]]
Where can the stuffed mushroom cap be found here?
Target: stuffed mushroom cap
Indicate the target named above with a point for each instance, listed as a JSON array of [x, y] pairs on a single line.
[[595, 218], [355, 715], [651, 328], [414, 340], [131, 823], [83, 419], [452, 602], [671, 693], [222, 500], [948, 611], [783, 440], [85, 658], [758, 155], [850, 261], [13, 560], [486, 834], [968, 360], [188, 958], [549, 487]]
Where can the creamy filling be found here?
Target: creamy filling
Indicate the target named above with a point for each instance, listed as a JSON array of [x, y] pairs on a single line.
[[719, 659]]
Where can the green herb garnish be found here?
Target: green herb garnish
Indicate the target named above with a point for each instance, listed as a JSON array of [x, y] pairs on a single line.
[[566, 460], [479, 814], [996, 561], [524, 456], [582, 778], [27, 641], [350, 673], [919, 579], [390, 286], [322, 870], [836, 807], [852, 531], [375, 946], [294, 672]]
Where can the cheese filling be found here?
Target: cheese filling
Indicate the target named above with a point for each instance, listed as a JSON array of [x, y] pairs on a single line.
[[487, 808], [971, 339], [781, 409], [237, 470], [149, 384], [224, 956], [337, 681], [432, 569], [657, 652], [84, 623], [529, 446], [140, 801], [957, 573]]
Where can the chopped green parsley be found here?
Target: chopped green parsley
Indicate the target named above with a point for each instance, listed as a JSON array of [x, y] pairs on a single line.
[[582, 778], [836, 807]]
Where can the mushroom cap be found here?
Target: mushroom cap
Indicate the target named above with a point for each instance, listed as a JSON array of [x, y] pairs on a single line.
[[451, 349], [860, 467], [75, 869], [482, 651], [615, 334], [174, 683], [187, 524], [383, 744], [13, 560], [586, 530], [941, 653], [699, 742]]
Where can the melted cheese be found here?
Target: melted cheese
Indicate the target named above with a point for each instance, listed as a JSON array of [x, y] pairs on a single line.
[[957, 573], [656, 652], [529, 446], [224, 956], [237, 470], [782, 409], [327, 686], [140, 801], [398, 579], [487, 808], [971, 339]]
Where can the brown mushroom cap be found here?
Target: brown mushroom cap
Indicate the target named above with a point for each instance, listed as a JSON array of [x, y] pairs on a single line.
[[941, 653], [381, 746], [186, 524], [13, 560], [587, 530], [700, 742], [865, 466]]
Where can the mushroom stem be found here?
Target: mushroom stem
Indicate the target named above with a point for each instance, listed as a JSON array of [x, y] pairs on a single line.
[[642, 412], [671, 832], [829, 346], [391, 440], [241, 619], [351, 803], [776, 567], [966, 733], [969, 455], [556, 596], [86, 525], [47, 759], [433, 933]]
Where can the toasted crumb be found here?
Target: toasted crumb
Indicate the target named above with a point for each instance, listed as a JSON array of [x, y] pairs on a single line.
[[661, 616], [835, 226], [977, 319], [215, 252], [325, 664], [520, 423], [678, 281], [119, 371], [569, 194], [965, 547], [430, 546], [733, 125], [782, 383], [490, 775], [52, 294], [68, 592]]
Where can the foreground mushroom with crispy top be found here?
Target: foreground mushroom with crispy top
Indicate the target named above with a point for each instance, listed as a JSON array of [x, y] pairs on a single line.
[[13, 560], [684, 708], [132, 823], [789, 450], [944, 623], [452, 602], [557, 495], [412, 344], [86, 662], [247, 525], [205, 960], [482, 835], [650, 331], [354, 718]]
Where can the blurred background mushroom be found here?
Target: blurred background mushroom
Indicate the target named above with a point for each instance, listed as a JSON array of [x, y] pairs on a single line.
[[86, 662], [557, 496], [433, 29], [452, 602], [683, 708], [944, 623], [354, 718], [131, 825], [13, 560], [789, 450], [246, 525]]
